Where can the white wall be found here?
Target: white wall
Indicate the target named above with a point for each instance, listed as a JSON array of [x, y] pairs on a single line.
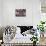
[[1, 12], [32, 12], [36, 7]]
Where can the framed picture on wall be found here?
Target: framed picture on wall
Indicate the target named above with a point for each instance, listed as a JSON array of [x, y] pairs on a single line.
[[20, 12]]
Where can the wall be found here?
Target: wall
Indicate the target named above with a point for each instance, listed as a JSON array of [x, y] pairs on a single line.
[[36, 7], [1, 13], [32, 12]]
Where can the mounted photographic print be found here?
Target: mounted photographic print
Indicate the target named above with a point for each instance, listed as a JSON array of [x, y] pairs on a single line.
[[20, 12]]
